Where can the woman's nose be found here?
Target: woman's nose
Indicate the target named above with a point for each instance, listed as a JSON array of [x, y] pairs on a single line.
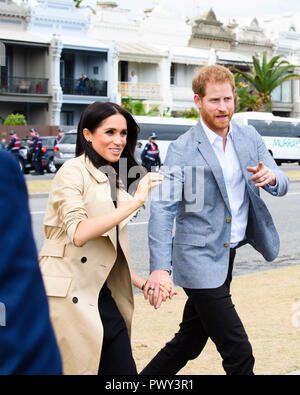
[[118, 140]]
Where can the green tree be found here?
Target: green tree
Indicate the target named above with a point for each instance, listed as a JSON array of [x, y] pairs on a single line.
[[134, 106], [15, 119], [268, 75], [246, 99]]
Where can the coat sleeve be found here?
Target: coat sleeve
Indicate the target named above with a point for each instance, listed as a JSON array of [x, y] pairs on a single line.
[[282, 180], [28, 344], [164, 205], [67, 198]]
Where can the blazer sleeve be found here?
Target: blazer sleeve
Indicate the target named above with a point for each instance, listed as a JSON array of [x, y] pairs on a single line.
[[282, 180], [67, 198], [28, 344], [164, 204]]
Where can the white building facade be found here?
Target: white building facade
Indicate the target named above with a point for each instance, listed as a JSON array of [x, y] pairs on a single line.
[[51, 43]]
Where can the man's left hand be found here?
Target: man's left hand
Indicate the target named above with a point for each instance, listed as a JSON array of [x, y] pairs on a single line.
[[262, 175]]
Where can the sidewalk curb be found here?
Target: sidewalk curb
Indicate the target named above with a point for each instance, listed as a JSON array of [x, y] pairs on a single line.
[[38, 195]]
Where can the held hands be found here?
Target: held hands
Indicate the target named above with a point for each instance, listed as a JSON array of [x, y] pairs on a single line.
[[262, 175], [148, 182], [158, 288]]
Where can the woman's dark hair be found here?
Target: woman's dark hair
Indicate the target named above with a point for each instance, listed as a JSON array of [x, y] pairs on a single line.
[[91, 118]]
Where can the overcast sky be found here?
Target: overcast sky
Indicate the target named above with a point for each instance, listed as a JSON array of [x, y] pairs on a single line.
[[222, 8]]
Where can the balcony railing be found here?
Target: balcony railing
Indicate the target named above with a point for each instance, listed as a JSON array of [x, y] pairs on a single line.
[[92, 87], [139, 91], [24, 85]]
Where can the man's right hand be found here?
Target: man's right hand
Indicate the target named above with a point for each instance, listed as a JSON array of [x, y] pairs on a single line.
[[152, 288]]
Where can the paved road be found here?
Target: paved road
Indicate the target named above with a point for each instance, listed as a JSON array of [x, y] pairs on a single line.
[[47, 176], [285, 211]]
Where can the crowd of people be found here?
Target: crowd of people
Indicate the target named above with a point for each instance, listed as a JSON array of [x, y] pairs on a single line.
[[35, 148], [85, 263]]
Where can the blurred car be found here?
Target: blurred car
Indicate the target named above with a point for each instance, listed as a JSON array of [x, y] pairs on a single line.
[[65, 149], [25, 156], [21, 155], [48, 153]]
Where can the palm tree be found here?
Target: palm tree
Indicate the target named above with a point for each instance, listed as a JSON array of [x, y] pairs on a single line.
[[267, 76]]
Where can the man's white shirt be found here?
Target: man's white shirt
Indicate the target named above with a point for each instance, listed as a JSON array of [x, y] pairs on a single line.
[[234, 181]]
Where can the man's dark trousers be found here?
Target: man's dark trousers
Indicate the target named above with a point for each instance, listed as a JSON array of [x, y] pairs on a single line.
[[208, 313]]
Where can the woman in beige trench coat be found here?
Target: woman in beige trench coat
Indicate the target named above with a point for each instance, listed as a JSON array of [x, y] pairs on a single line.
[[86, 245]]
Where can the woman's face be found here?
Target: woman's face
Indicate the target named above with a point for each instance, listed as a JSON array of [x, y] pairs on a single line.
[[110, 137]]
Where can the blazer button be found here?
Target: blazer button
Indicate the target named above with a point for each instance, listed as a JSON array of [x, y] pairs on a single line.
[[83, 259], [228, 220], [226, 244], [75, 300]]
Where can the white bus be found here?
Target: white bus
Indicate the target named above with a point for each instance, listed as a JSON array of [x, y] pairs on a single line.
[[281, 135], [167, 130]]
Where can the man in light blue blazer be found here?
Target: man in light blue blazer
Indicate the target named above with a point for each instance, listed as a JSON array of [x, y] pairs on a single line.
[[213, 175]]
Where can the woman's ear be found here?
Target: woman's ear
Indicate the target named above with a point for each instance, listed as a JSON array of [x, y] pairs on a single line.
[[87, 135]]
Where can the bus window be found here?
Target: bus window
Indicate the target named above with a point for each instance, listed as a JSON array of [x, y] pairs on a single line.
[[164, 132], [276, 128]]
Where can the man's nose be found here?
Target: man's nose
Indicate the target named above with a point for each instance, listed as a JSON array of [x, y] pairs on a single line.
[[222, 106]]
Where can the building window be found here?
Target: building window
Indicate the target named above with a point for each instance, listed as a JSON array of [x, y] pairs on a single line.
[[67, 118], [283, 93], [173, 74]]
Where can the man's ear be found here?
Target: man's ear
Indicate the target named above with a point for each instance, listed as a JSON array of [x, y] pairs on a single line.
[[198, 101]]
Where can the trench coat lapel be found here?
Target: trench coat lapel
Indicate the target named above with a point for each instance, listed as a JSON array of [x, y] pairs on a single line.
[[206, 150], [100, 177]]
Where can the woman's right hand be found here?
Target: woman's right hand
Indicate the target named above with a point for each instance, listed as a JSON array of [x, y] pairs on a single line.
[[148, 182]]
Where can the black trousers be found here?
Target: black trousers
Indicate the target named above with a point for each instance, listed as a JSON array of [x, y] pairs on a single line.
[[116, 356], [208, 313], [37, 162]]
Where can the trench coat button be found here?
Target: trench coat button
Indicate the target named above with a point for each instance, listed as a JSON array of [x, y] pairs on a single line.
[[226, 244], [75, 300], [83, 259]]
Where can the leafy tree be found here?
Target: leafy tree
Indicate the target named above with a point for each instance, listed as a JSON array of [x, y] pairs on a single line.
[[15, 119], [134, 106], [246, 99], [268, 75]]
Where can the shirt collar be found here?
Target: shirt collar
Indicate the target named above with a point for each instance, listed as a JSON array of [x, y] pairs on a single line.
[[212, 136]]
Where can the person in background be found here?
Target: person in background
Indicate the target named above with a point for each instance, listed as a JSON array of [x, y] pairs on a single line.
[[85, 256], [82, 84], [14, 143], [27, 341], [35, 146], [60, 135], [133, 78], [150, 155], [225, 212]]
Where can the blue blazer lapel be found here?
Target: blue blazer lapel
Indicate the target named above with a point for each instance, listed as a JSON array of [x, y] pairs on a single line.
[[243, 154], [209, 155]]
